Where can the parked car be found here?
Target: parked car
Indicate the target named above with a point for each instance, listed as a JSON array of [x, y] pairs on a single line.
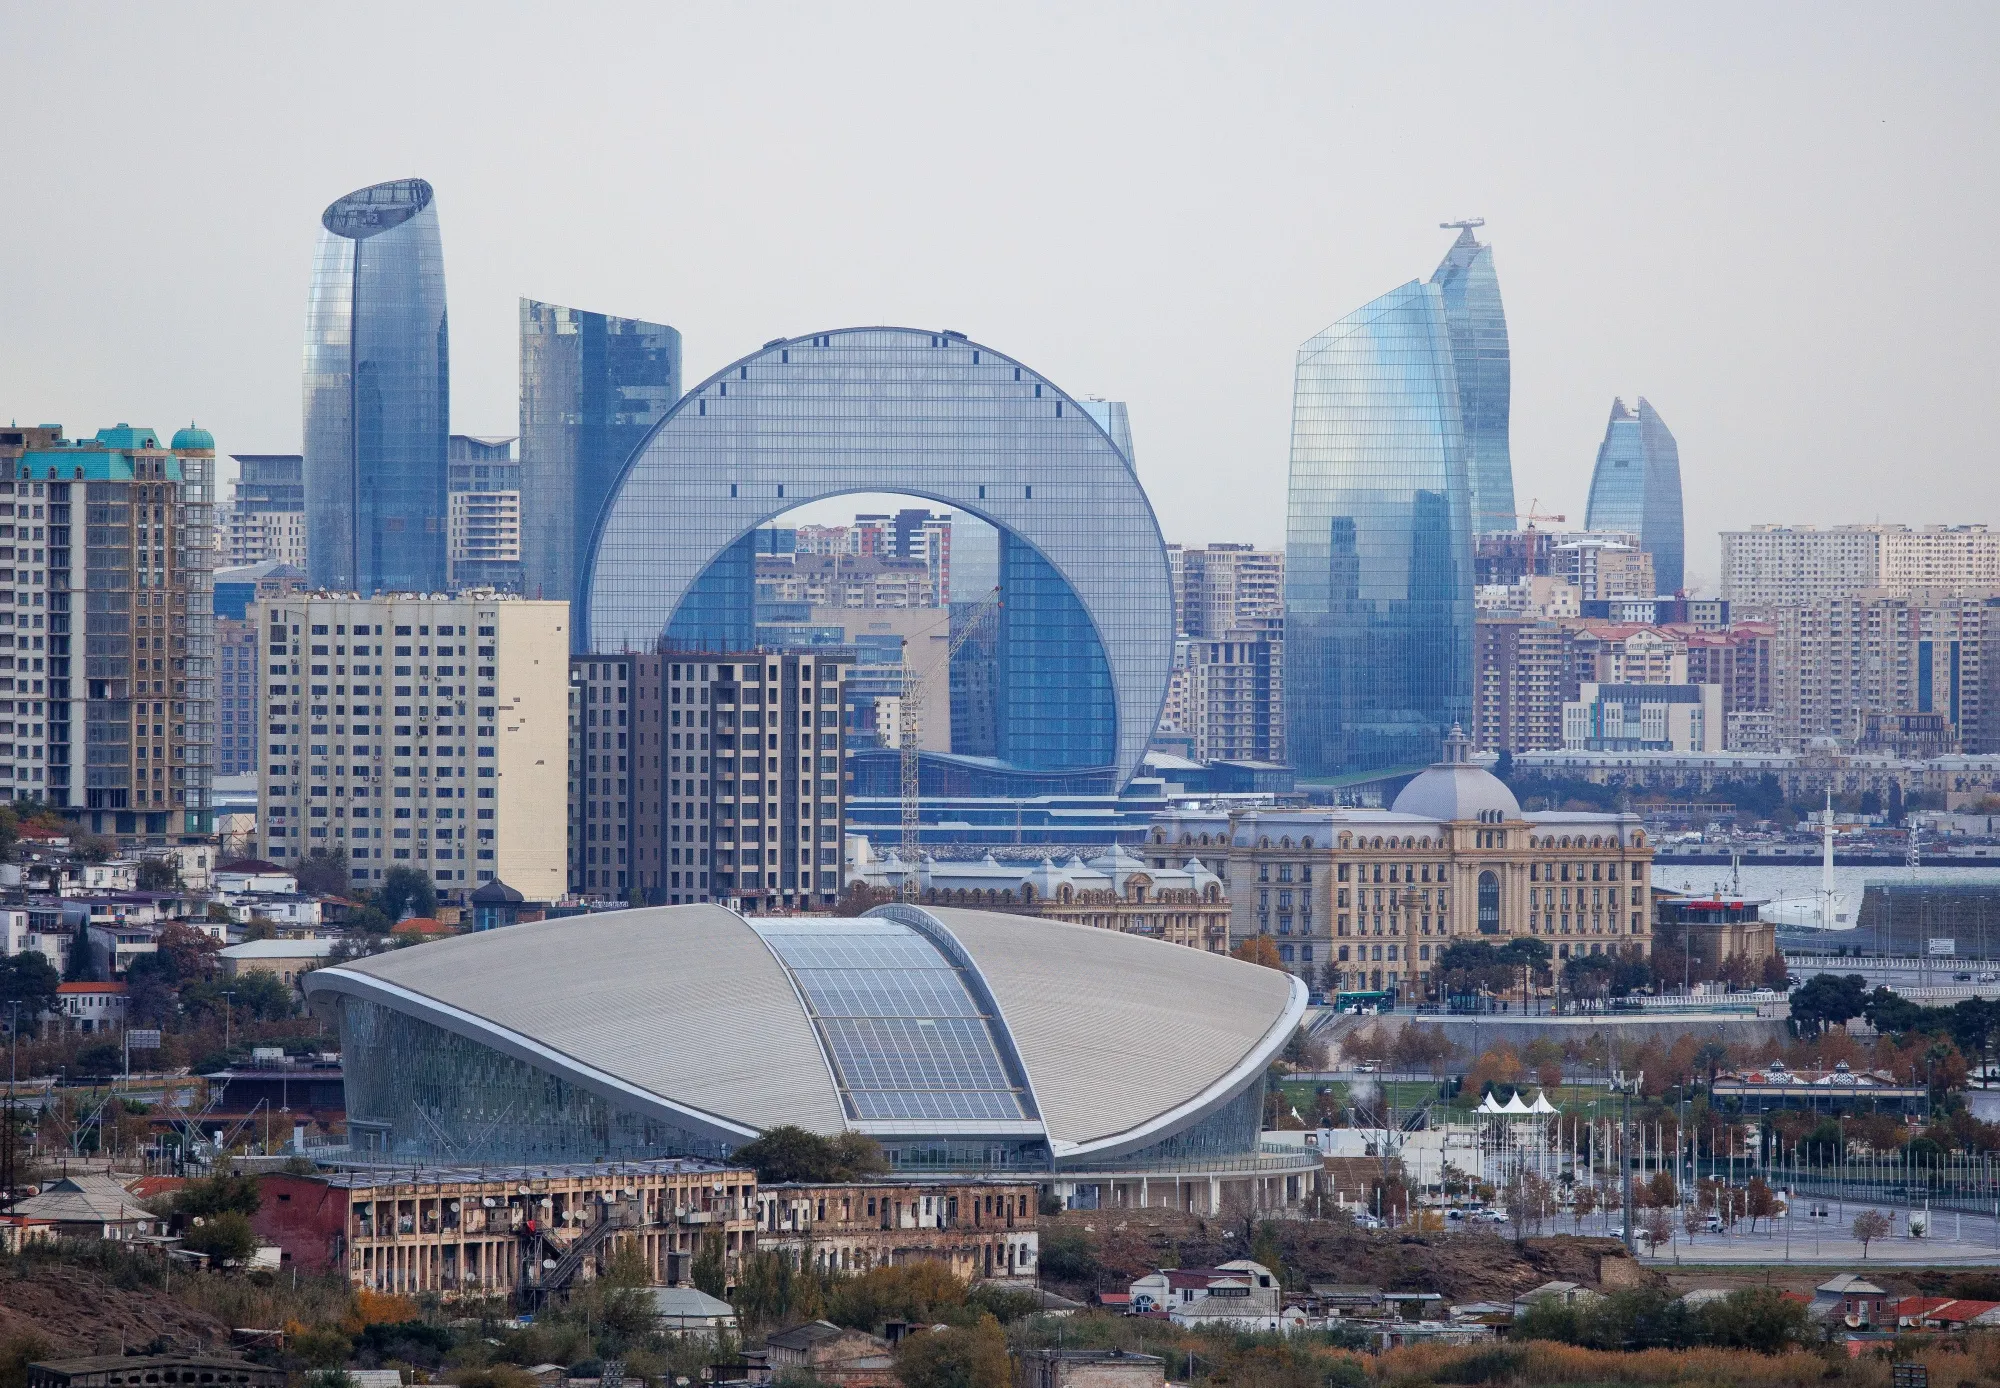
[[1989, 977]]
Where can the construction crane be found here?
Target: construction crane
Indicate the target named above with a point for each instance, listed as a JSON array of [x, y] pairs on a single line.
[[1531, 515], [909, 719]]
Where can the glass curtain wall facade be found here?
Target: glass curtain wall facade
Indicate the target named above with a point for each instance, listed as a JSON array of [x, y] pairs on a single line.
[[592, 387], [1636, 487], [1477, 322], [377, 394], [1378, 568], [927, 414]]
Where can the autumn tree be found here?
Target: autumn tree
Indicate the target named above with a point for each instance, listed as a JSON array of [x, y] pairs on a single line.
[[973, 1356], [1869, 1226], [1258, 949]]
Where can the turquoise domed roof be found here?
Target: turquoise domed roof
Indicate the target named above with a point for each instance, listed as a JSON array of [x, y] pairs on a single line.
[[191, 439]]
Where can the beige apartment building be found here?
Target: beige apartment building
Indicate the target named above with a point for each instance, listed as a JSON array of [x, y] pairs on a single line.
[[417, 730], [1770, 566]]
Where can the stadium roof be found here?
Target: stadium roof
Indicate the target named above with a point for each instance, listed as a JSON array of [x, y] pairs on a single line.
[[908, 1021]]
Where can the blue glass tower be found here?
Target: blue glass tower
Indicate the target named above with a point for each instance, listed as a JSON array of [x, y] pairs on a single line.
[[1378, 570], [592, 387], [1478, 327], [378, 394], [1637, 487]]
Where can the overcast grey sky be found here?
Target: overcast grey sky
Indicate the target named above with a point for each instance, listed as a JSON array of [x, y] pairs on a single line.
[[1774, 221]]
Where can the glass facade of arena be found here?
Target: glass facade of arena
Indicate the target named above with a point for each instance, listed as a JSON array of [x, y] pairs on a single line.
[[924, 414], [1637, 487], [378, 394], [905, 1037], [1378, 572], [1478, 326], [419, 1092], [592, 387]]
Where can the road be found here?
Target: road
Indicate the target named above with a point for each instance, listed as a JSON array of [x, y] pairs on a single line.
[[1954, 1241]]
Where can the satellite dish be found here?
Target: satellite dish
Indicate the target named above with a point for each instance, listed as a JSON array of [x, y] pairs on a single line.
[[490, 1202]]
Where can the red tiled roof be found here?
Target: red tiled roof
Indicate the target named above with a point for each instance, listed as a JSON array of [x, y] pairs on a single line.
[[62, 988], [422, 925]]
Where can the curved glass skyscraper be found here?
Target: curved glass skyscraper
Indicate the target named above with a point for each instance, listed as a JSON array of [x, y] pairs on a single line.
[[592, 387], [1378, 569], [1083, 643], [1637, 487], [377, 394], [1478, 326]]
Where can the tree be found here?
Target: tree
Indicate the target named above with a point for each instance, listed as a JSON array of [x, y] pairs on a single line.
[[1587, 977], [1869, 1226], [1759, 1201], [791, 1153], [405, 893], [1658, 1228], [92, 848], [225, 1192], [158, 875], [224, 1237], [29, 979], [974, 1356], [1258, 949], [80, 964], [1826, 1001], [708, 1271], [324, 873], [191, 953], [1582, 1204]]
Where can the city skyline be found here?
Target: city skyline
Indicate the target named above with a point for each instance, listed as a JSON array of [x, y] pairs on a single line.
[[1624, 237]]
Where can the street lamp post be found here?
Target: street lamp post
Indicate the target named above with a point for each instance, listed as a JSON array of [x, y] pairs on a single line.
[[228, 1000]]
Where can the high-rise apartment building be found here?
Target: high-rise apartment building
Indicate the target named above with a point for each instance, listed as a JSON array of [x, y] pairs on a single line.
[[484, 524], [1225, 587], [617, 761], [1521, 679], [1738, 661], [377, 394], [1637, 487], [1470, 294], [419, 731], [1378, 561], [265, 520], [107, 628], [756, 786], [236, 720], [1774, 565], [1604, 566], [1843, 660], [592, 387], [1233, 694]]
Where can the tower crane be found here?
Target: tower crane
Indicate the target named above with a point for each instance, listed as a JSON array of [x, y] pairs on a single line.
[[1531, 515], [909, 722]]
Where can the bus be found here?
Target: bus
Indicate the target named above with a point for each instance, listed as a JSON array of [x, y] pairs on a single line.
[[1378, 1001]]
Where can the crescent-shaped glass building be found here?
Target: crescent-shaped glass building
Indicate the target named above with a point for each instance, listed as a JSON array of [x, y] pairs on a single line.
[[1083, 635], [378, 395], [958, 1039]]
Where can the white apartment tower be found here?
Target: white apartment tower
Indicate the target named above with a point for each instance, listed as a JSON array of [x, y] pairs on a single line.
[[420, 731]]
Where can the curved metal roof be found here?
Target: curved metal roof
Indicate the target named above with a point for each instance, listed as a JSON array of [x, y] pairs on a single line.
[[907, 1021]]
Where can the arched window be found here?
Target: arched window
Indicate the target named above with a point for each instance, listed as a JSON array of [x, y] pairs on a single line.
[[1489, 903]]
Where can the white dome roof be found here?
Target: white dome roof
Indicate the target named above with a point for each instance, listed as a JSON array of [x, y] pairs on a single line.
[[1456, 792], [1456, 789]]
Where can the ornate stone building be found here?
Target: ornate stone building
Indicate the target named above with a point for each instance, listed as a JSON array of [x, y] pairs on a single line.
[[1368, 899]]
